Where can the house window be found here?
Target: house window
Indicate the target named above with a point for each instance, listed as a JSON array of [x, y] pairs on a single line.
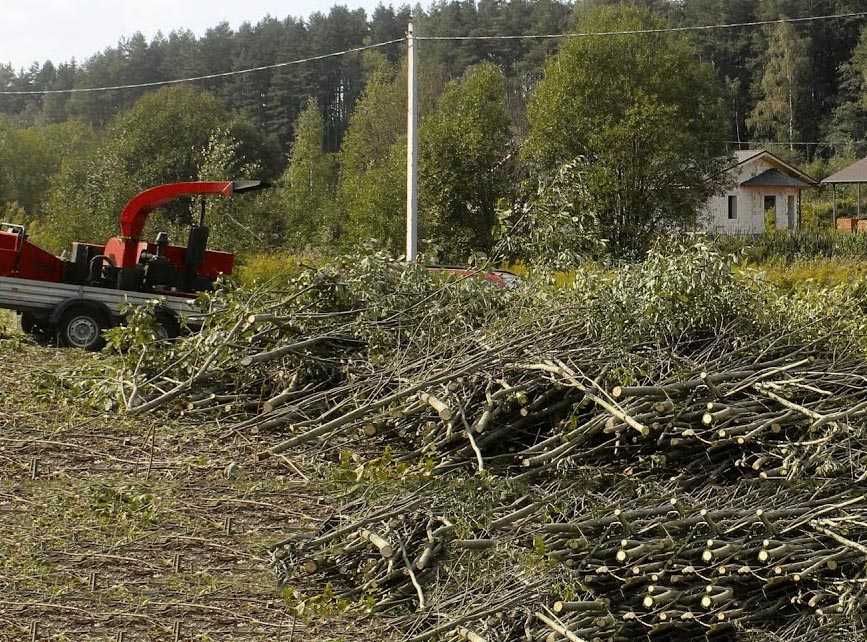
[[771, 204], [790, 212], [733, 207]]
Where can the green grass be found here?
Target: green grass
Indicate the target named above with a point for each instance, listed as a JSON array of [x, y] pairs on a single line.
[[810, 275], [788, 247], [274, 266]]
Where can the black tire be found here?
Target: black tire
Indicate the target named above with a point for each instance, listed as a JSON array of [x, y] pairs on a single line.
[[34, 327], [82, 328], [27, 323]]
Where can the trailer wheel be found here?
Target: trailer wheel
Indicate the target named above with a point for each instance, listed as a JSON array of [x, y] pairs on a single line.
[[35, 327], [27, 323], [82, 327]]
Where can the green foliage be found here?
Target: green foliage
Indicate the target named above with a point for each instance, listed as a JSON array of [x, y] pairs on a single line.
[[770, 220], [811, 274], [640, 111], [271, 267], [237, 223], [134, 341], [554, 226], [139, 331], [465, 168], [164, 138], [848, 126], [372, 187], [681, 288], [307, 187], [322, 605], [356, 299], [778, 114], [645, 118], [815, 313], [787, 246], [273, 99], [353, 468], [31, 156], [12, 213]]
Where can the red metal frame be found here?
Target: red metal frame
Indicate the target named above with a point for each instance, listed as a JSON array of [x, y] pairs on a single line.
[[21, 258], [126, 253], [125, 250], [135, 214]]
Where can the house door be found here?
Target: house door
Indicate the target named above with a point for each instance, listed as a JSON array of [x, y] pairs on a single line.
[[790, 212], [771, 213]]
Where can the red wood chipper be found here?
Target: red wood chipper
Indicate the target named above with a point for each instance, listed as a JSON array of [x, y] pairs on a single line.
[[74, 299]]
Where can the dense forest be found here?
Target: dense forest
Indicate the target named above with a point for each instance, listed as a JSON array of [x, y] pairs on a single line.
[[506, 138]]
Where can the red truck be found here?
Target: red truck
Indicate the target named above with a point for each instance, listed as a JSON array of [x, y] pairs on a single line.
[[78, 297]]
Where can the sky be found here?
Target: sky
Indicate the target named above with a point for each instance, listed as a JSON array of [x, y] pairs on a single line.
[[58, 30]]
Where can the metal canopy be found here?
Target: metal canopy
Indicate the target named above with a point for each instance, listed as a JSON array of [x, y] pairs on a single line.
[[855, 173], [774, 178]]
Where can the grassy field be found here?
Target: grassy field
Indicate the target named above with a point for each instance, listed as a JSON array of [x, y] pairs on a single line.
[[113, 528]]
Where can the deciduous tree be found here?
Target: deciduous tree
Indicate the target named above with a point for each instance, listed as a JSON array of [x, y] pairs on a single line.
[[306, 195], [162, 139], [642, 115], [372, 186], [465, 163]]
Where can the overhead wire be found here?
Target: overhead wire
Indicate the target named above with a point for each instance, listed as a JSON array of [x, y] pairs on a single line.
[[630, 32], [636, 32], [225, 74], [796, 143]]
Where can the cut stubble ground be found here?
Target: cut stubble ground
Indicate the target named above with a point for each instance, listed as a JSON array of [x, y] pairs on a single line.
[[115, 528]]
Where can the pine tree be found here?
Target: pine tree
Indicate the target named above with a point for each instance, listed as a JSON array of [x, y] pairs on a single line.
[[848, 126], [777, 115], [735, 54]]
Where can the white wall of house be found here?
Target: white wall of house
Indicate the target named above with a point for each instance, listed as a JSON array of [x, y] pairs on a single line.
[[750, 217]]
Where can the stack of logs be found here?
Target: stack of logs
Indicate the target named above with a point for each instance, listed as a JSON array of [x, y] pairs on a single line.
[[694, 567], [789, 417], [755, 527]]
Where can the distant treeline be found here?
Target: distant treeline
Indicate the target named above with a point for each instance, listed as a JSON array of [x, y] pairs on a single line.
[[273, 99], [825, 88]]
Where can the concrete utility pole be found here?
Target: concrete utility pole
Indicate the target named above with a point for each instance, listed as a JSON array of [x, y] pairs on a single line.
[[411, 151]]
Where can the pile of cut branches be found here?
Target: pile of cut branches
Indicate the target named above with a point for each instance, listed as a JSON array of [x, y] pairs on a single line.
[[604, 558], [667, 451]]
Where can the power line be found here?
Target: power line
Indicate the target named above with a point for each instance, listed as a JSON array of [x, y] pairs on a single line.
[[225, 74], [635, 32], [798, 143]]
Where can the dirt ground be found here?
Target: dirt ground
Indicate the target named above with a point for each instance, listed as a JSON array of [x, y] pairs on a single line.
[[121, 529]]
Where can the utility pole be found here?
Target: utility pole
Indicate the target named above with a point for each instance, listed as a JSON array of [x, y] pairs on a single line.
[[411, 150]]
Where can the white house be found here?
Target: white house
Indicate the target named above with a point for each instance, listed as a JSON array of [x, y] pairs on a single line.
[[760, 183]]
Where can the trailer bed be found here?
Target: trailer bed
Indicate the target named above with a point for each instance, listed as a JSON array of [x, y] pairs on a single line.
[[24, 295]]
